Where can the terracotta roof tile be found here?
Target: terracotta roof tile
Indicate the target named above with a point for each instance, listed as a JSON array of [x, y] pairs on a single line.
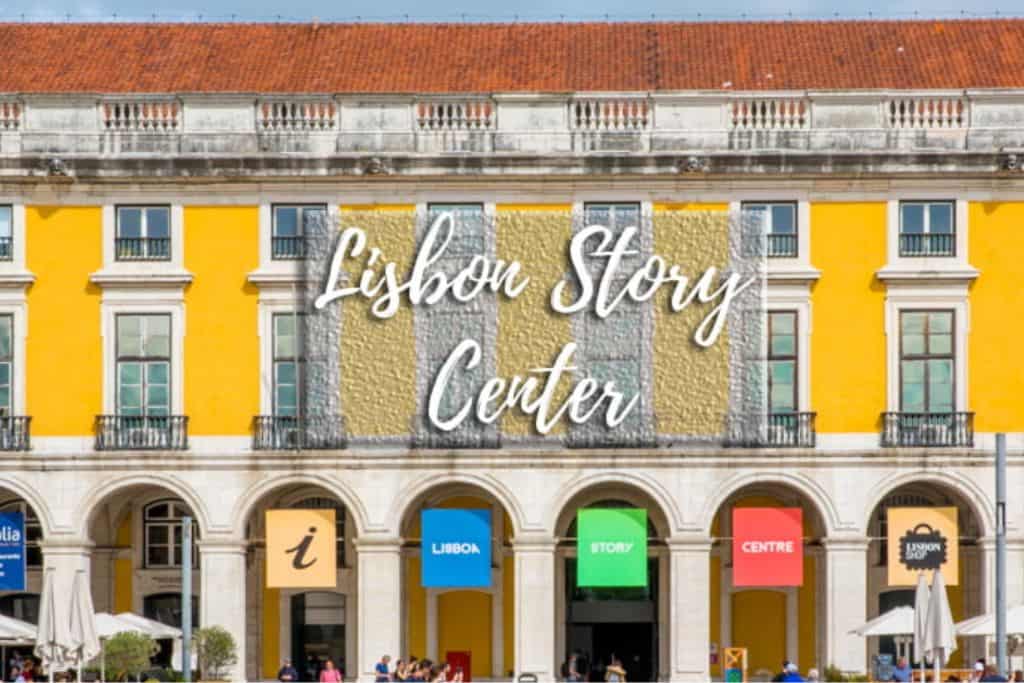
[[468, 58]]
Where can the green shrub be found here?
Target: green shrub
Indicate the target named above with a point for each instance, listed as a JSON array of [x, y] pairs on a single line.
[[215, 649], [127, 654]]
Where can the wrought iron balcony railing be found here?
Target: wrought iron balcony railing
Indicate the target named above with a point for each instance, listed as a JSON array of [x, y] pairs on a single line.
[[927, 429], [14, 433], [931, 244], [143, 248], [141, 432], [772, 430], [284, 433], [782, 246], [288, 248]]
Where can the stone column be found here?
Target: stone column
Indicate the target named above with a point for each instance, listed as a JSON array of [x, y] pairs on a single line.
[[689, 608], [535, 607], [846, 600], [222, 594], [379, 578]]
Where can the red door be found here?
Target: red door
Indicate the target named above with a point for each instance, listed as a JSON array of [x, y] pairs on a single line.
[[460, 660]]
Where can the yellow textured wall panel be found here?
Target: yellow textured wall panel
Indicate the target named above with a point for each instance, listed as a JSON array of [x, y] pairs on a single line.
[[464, 624], [848, 341], [530, 334], [691, 386], [222, 345], [378, 357], [690, 206], [63, 247], [995, 371]]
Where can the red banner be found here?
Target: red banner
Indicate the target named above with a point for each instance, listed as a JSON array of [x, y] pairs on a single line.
[[767, 547]]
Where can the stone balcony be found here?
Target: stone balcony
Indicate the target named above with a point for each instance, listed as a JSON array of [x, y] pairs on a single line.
[[932, 131]]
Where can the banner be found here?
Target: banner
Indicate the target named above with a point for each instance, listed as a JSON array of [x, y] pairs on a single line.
[[611, 547], [923, 540], [455, 548], [301, 549], [12, 551], [767, 547]]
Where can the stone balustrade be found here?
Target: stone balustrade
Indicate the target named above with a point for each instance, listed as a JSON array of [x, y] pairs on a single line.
[[513, 124]]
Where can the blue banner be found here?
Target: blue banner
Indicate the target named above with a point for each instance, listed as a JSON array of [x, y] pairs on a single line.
[[12, 551], [455, 548]]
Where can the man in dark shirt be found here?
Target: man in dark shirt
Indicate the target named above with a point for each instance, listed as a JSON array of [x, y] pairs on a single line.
[[287, 671]]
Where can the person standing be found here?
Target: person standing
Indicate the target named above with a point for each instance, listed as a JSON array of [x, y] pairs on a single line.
[[614, 672], [287, 672], [330, 673], [382, 669], [792, 674]]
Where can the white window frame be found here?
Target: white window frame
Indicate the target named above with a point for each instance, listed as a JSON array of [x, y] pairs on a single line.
[[273, 271], [958, 263], [144, 227], [926, 298], [175, 265], [794, 299], [144, 508], [265, 329], [142, 303], [784, 269]]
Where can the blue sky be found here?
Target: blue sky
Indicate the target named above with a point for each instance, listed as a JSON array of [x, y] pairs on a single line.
[[492, 10]]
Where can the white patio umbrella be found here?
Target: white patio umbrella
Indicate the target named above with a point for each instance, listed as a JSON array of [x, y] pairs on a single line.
[[922, 596], [897, 622], [53, 635], [156, 629], [985, 625], [83, 623], [939, 632]]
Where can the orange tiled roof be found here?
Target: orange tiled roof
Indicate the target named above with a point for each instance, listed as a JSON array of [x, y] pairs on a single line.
[[556, 57]]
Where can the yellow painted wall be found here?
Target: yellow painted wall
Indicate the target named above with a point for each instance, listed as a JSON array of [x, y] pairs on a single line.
[[848, 341], [756, 619], [63, 247], [995, 369], [271, 632], [530, 334], [123, 570], [806, 604], [378, 357], [690, 382], [508, 607], [715, 621], [222, 352], [415, 608], [464, 623]]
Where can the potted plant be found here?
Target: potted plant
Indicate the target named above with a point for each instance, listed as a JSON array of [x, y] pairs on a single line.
[[126, 655], [215, 649]]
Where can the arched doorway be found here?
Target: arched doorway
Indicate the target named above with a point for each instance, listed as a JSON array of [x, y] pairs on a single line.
[[306, 625], [629, 622], [740, 614], [455, 624], [966, 590]]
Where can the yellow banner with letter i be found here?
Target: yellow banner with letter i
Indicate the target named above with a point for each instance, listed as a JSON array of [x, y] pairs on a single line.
[[301, 549]]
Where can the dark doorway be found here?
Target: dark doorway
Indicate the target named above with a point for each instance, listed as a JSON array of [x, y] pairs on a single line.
[[632, 643], [318, 632], [166, 608]]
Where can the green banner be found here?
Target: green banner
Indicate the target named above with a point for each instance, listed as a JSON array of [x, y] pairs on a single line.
[[611, 547]]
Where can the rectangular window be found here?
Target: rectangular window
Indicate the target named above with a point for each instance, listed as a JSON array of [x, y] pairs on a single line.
[[927, 228], [780, 223], [6, 233], [290, 225], [288, 364], [143, 233], [927, 362], [144, 365], [782, 362]]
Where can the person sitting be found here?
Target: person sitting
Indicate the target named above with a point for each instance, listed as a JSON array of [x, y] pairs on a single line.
[[902, 671]]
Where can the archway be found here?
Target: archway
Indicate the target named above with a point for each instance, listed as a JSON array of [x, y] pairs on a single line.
[[136, 562], [966, 590], [629, 622], [306, 625], [740, 613], [23, 604], [449, 623]]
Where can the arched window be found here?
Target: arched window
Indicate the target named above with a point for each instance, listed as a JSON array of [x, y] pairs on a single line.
[[319, 503], [162, 534], [33, 530]]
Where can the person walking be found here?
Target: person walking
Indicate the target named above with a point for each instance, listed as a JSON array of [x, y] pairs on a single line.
[[330, 673], [287, 672], [614, 672], [792, 674]]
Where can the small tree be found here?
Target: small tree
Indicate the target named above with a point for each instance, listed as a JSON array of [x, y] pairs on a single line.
[[127, 654], [215, 649]]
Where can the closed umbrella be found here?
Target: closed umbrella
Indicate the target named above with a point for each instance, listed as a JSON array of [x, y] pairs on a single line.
[[922, 596], [939, 632], [86, 644], [53, 638]]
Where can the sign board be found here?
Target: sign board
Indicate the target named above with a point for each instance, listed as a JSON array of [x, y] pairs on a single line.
[[12, 551], [923, 540], [611, 547], [301, 549], [767, 547], [735, 668], [455, 548]]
